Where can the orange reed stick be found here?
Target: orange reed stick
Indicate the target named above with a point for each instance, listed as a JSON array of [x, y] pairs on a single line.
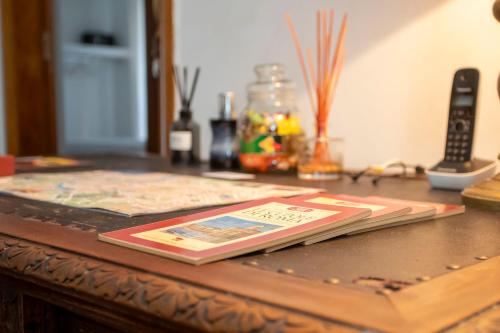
[[324, 82], [310, 64], [335, 61], [326, 67], [335, 78], [329, 44], [318, 48], [298, 48], [340, 42], [325, 45]]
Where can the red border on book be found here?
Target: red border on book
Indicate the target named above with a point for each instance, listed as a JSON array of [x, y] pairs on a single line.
[[389, 207], [126, 234], [441, 208]]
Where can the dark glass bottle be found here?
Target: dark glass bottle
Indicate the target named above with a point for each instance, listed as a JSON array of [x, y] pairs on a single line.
[[185, 140], [224, 148]]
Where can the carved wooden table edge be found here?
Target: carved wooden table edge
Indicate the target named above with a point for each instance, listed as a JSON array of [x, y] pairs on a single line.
[[190, 306], [318, 300], [178, 303], [448, 302]]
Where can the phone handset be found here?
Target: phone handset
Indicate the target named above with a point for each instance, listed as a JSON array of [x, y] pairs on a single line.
[[462, 115], [458, 170]]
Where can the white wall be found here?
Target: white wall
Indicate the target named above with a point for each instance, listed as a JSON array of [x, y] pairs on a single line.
[[393, 96], [3, 138]]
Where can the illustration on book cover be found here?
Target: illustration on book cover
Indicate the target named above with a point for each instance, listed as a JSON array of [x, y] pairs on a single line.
[[232, 227], [221, 229]]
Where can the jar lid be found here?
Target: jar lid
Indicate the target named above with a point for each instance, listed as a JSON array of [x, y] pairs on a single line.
[[271, 83]]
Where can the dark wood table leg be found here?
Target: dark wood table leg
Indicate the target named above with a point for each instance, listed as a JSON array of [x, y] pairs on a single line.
[[11, 310]]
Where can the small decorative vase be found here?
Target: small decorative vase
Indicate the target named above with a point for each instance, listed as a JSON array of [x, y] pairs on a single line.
[[321, 157]]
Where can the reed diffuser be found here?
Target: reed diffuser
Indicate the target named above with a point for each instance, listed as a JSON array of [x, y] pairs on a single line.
[[322, 155], [185, 132]]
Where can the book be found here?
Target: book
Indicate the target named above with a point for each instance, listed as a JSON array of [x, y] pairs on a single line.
[[234, 230], [381, 212], [421, 211], [26, 163]]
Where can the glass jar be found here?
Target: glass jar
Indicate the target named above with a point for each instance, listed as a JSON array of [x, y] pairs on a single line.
[[270, 132]]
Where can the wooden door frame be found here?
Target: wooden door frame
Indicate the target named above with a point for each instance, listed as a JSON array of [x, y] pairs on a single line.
[[12, 74], [160, 53], [160, 49]]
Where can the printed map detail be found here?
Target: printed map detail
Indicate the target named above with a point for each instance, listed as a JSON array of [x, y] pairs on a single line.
[[139, 193]]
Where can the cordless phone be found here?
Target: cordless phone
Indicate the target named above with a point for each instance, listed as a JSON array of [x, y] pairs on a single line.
[[458, 169], [461, 117]]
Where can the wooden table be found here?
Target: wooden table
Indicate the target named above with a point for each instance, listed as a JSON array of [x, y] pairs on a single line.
[[441, 275]]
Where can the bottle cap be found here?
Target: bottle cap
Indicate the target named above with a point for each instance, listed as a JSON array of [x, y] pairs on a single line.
[[226, 105]]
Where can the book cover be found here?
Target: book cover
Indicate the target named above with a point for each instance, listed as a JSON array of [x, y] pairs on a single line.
[[234, 230], [381, 211], [421, 211]]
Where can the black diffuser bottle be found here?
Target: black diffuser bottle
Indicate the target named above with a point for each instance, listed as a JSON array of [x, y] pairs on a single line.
[[224, 148], [185, 132], [185, 140]]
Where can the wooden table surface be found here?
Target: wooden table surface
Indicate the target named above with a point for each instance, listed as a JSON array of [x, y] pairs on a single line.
[[438, 275]]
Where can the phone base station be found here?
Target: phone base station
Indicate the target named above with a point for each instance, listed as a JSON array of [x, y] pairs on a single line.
[[457, 176]]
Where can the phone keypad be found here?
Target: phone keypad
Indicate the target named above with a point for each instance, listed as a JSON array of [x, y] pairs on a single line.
[[457, 148], [458, 143]]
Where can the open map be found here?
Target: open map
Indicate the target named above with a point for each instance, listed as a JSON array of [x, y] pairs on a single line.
[[139, 193]]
